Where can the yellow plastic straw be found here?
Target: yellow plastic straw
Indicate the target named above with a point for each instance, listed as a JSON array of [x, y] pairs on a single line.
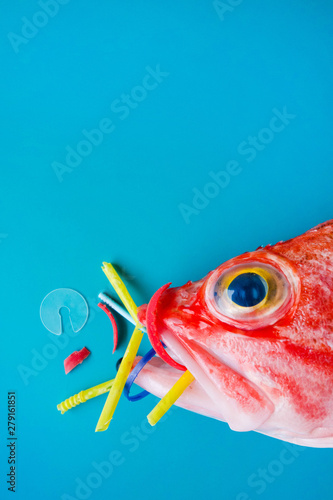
[[83, 396], [120, 380], [121, 289], [130, 353], [170, 398]]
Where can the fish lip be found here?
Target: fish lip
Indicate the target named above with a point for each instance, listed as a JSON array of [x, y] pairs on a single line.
[[283, 265], [153, 331]]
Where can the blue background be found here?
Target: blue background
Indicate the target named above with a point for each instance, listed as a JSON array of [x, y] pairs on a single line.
[[122, 204]]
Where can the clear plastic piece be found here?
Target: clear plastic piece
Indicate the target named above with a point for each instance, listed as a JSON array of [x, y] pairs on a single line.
[[71, 300]]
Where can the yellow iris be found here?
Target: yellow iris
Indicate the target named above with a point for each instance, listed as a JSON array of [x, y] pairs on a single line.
[[266, 276]]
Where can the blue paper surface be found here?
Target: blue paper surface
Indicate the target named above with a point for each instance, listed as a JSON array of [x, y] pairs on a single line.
[[166, 137]]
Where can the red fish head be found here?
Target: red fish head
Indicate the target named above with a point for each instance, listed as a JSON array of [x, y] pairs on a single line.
[[257, 334]]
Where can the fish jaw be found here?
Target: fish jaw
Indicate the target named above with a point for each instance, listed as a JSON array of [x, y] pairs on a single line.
[[242, 405], [218, 391], [157, 377]]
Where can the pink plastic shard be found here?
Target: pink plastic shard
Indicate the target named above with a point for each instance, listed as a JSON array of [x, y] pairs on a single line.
[[75, 359]]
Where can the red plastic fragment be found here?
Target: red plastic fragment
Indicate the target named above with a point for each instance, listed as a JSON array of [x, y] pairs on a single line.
[[153, 331], [75, 359], [114, 324]]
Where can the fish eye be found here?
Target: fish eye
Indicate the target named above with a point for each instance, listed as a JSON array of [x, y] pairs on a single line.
[[250, 295], [247, 289]]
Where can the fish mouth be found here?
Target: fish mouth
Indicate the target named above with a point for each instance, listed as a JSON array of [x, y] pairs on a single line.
[[162, 372], [218, 391]]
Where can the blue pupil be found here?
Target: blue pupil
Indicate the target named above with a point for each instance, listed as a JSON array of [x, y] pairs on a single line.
[[247, 290]]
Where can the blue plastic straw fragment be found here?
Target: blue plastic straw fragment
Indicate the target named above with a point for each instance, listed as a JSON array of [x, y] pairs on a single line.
[[134, 373]]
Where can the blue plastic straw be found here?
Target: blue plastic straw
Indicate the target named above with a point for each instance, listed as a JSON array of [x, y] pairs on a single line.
[[134, 373]]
